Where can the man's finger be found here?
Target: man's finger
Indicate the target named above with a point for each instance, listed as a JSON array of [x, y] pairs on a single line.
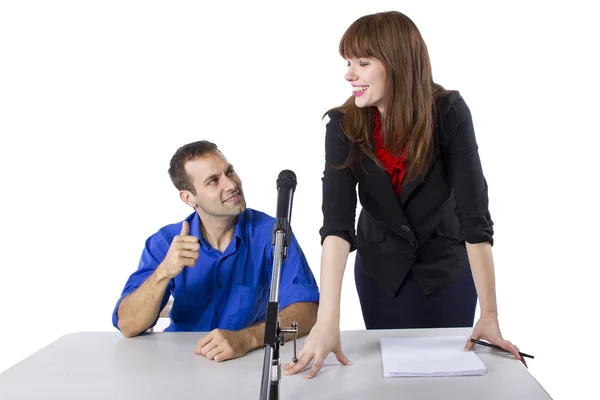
[[186, 254], [209, 347], [213, 352], [185, 245], [223, 356], [204, 341], [185, 229], [188, 262], [187, 239]]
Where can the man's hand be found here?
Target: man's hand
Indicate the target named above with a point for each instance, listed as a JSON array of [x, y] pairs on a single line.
[[221, 345], [184, 251]]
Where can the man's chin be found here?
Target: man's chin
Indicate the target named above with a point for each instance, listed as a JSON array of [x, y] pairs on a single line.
[[239, 208]]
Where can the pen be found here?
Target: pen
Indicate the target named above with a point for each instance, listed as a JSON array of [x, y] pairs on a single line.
[[493, 346]]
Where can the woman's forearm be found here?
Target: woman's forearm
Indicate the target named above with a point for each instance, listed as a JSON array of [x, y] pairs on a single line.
[[482, 266], [334, 256]]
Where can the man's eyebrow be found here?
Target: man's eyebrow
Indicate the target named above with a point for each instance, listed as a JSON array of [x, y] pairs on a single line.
[[210, 178]]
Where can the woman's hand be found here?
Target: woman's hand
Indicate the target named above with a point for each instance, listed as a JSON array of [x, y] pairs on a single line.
[[488, 328], [323, 339]]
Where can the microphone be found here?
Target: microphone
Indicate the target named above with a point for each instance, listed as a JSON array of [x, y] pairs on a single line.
[[286, 184]]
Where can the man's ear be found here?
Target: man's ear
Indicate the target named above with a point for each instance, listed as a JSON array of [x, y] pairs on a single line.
[[188, 198]]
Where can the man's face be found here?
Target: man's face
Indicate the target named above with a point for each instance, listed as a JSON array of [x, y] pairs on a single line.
[[218, 188]]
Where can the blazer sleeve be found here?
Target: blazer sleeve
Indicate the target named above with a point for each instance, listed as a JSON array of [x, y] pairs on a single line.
[[466, 175], [339, 185]]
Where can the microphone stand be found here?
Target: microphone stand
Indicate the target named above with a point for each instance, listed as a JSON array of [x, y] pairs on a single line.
[[274, 334]]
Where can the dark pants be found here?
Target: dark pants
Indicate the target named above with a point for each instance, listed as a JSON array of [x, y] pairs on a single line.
[[450, 307]]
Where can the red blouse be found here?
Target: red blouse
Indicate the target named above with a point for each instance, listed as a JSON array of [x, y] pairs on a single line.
[[395, 165]]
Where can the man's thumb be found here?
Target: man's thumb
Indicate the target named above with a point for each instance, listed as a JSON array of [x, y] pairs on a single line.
[[185, 229]]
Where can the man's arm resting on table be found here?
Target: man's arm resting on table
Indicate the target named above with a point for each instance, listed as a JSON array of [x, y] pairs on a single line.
[[139, 309], [221, 345]]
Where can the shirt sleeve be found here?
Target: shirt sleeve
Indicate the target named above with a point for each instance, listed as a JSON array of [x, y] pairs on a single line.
[[154, 252], [339, 186], [297, 283], [466, 176]]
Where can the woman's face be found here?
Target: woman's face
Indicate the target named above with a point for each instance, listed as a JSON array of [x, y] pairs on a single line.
[[368, 79]]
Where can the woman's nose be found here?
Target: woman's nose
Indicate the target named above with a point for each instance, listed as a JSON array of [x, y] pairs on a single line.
[[350, 75]]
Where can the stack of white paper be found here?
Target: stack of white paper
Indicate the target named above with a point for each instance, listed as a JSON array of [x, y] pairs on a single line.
[[429, 356]]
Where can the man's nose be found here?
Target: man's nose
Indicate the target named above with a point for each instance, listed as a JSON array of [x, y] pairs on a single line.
[[229, 184]]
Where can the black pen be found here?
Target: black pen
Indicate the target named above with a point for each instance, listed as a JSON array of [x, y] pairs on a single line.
[[493, 346]]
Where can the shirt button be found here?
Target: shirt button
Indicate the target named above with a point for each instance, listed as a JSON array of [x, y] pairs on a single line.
[[413, 243], [405, 228], [216, 314], [220, 286]]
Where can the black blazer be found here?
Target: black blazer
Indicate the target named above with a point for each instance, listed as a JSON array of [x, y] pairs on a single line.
[[426, 228]]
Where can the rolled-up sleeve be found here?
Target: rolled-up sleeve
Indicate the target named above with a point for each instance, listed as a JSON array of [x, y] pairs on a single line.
[[466, 175], [339, 186]]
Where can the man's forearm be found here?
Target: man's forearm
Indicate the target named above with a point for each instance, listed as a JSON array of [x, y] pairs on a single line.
[[305, 314], [482, 266], [139, 309]]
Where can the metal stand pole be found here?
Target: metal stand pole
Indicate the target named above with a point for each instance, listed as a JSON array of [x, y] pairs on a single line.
[[274, 334]]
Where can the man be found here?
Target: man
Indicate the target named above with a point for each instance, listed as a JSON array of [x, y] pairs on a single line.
[[216, 264]]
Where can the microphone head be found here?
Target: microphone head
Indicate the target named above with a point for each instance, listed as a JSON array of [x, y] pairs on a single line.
[[286, 179]]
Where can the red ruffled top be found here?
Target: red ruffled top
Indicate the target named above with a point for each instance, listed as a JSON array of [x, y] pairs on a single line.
[[395, 165]]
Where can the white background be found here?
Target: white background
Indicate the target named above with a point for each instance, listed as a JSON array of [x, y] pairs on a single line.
[[95, 97]]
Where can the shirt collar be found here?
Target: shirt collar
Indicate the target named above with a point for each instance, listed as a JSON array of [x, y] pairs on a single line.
[[239, 232]]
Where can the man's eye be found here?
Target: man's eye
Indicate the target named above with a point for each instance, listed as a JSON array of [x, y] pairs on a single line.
[[230, 172]]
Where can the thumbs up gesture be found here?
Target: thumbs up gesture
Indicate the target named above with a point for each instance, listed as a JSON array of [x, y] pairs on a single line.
[[183, 252]]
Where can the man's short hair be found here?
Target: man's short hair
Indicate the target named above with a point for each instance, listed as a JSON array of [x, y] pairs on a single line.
[[188, 152]]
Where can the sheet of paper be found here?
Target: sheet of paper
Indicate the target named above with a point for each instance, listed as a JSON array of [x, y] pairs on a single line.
[[428, 356]]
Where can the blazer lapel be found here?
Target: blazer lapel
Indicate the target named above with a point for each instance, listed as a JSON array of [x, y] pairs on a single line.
[[409, 188], [379, 199]]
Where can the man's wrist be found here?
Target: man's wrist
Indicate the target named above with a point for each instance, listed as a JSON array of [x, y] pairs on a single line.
[[253, 336], [161, 274]]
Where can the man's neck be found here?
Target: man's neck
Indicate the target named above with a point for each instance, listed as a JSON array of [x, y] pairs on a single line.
[[218, 231]]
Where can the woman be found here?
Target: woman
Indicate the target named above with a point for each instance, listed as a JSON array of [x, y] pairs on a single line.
[[424, 234]]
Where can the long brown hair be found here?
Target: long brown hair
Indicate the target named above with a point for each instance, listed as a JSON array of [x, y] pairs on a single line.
[[393, 39]]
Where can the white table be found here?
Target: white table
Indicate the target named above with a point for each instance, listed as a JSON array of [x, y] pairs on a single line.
[[164, 366]]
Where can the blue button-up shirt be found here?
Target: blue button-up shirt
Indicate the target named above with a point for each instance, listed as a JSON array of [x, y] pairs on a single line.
[[228, 290]]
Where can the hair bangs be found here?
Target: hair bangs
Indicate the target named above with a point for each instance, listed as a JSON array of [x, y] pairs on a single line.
[[359, 41]]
